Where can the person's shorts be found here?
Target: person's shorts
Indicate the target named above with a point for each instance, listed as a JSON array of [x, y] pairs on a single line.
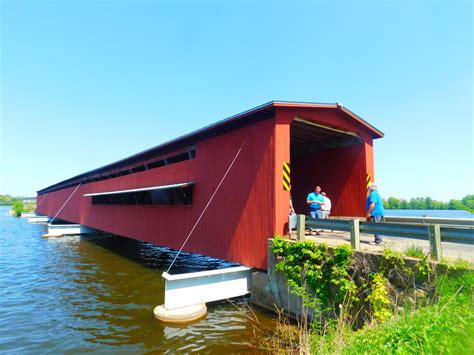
[[315, 214]]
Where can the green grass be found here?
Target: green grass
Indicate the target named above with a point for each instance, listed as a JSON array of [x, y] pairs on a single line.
[[446, 327], [414, 251]]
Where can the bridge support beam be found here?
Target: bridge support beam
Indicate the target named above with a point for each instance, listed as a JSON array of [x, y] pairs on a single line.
[[39, 219], [58, 230], [186, 294]]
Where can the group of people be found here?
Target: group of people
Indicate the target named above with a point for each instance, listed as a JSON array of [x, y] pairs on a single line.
[[320, 207], [319, 204]]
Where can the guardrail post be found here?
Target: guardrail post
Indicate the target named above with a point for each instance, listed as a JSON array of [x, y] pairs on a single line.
[[434, 232], [355, 231], [300, 227]]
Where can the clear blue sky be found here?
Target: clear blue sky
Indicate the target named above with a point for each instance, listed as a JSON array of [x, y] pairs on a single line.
[[85, 83]]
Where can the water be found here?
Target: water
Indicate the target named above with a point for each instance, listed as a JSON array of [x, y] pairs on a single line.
[[84, 294], [430, 213]]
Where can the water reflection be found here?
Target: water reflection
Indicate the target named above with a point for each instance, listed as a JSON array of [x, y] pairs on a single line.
[[98, 292]]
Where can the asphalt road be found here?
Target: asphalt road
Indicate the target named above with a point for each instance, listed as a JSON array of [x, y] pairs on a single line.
[[449, 250]]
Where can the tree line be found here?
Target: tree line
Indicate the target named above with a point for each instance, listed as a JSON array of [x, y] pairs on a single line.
[[427, 203], [7, 200]]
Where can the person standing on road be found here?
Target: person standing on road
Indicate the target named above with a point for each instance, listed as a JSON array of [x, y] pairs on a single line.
[[326, 208], [374, 210], [315, 200]]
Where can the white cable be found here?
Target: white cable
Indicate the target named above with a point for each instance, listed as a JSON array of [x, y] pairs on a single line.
[[208, 203], [44, 198], [64, 204]]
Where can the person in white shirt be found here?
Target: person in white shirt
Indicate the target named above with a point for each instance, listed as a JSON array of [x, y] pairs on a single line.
[[326, 208]]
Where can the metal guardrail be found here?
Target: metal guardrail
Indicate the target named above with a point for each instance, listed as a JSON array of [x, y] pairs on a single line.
[[435, 233], [467, 222]]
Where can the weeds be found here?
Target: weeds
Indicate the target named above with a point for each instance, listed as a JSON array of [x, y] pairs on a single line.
[[364, 300], [414, 251]]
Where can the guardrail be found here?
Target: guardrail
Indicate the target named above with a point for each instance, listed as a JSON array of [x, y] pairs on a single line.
[[435, 233], [465, 222]]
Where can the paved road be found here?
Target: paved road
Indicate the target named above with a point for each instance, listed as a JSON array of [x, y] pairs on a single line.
[[449, 250]]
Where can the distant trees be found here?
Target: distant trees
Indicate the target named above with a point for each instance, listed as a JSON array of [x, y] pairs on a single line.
[[7, 200], [427, 203], [19, 204]]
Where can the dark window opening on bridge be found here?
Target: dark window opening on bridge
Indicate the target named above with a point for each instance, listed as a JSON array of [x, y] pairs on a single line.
[[187, 155], [178, 194]]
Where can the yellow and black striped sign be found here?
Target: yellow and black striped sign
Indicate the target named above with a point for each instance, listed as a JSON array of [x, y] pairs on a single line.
[[368, 180], [286, 177]]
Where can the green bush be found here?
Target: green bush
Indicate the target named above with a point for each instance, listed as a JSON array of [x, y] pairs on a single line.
[[17, 208]]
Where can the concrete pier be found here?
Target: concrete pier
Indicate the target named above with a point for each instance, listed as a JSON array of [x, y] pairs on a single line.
[[39, 219], [186, 294], [57, 230]]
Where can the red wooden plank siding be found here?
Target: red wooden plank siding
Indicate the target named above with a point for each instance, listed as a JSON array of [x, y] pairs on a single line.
[[251, 204], [235, 226]]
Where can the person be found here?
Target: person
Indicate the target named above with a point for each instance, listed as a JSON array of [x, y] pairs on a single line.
[[374, 210], [315, 200], [291, 217], [326, 208], [292, 210]]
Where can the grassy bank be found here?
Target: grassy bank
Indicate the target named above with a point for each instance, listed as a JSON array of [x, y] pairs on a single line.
[[445, 327], [386, 304]]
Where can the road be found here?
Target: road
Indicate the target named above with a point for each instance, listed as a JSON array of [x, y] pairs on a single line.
[[450, 251]]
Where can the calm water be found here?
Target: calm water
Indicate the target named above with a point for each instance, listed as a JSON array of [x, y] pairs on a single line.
[[84, 294], [430, 213]]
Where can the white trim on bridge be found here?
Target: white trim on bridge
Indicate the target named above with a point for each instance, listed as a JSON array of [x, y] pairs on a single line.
[[163, 187]]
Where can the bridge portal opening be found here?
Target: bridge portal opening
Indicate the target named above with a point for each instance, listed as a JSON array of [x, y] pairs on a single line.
[[328, 157]]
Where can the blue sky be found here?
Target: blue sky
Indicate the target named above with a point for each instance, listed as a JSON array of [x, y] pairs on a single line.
[[85, 83]]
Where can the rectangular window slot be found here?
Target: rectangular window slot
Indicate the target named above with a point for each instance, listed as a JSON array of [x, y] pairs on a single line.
[[178, 194]]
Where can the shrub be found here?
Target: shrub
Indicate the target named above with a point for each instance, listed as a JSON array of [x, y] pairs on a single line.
[[17, 208]]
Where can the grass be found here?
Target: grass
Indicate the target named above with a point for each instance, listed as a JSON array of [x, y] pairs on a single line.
[[414, 251], [445, 327], [429, 311]]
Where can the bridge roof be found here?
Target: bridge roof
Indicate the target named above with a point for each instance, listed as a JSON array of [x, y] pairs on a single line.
[[228, 124]]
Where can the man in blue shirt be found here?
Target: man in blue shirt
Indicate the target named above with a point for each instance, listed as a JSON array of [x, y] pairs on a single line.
[[374, 210], [315, 200]]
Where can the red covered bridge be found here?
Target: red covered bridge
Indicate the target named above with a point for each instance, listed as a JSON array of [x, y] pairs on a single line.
[[157, 195]]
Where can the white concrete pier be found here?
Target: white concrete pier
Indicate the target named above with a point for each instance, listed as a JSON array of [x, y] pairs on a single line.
[[186, 294], [39, 219], [57, 230]]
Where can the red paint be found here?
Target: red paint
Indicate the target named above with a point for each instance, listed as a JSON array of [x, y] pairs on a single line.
[[250, 206]]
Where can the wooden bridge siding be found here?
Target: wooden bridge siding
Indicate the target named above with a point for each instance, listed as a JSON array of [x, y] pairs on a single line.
[[240, 216], [340, 173], [251, 205], [236, 225]]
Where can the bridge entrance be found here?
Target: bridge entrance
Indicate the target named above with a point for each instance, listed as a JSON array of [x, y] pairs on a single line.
[[328, 157]]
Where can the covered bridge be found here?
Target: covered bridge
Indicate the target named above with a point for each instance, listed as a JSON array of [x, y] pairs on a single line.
[[157, 195]]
